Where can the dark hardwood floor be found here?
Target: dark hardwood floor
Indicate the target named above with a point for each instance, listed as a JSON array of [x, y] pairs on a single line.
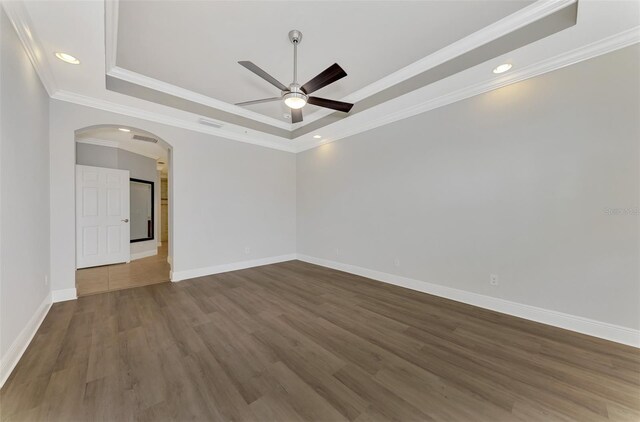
[[293, 341]]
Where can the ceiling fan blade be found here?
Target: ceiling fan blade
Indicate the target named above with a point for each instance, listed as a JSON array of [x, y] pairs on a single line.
[[335, 105], [264, 100], [296, 115], [264, 75], [326, 77]]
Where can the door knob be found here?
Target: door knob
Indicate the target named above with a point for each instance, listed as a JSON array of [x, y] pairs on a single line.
[[126, 220]]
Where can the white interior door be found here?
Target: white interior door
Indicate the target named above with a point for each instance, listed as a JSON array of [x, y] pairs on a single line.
[[102, 216]]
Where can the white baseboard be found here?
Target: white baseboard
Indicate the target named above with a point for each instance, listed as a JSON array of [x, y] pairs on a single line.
[[63, 295], [579, 324], [144, 254], [216, 269], [19, 345]]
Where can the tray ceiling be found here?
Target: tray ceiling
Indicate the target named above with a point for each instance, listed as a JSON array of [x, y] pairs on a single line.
[[421, 60], [196, 45]]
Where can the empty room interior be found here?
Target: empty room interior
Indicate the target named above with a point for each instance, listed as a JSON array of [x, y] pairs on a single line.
[[320, 210]]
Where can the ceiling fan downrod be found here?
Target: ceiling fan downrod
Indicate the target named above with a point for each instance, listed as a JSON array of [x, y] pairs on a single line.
[[295, 37], [295, 97]]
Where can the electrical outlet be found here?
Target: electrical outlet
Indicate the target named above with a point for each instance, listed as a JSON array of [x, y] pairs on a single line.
[[247, 250], [493, 279], [396, 262]]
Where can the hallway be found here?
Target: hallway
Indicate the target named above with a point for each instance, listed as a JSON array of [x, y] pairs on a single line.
[[141, 272]]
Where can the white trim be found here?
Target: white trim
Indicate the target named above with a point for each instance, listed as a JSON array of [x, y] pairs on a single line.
[[541, 8], [144, 254], [504, 26], [130, 111], [155, 84], [575, 323], [21, 22], [63, 295], [598, 48], [20, 344], [111, 32], [223, 268]]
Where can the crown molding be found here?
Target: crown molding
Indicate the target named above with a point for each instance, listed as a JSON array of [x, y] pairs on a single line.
[[106, 105], [110, 32], [167, 88], [606, 45], [21, 22], [598, 48], [516, 20], [504, 26], [111, 48]]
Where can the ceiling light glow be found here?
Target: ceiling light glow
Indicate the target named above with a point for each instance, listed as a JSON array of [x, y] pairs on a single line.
[[502, 68], [67, 58], [317, 136], [295, 100], [124, 129], [295, 103]]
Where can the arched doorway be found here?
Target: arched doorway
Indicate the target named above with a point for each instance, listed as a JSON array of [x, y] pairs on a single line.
[[123, 208]]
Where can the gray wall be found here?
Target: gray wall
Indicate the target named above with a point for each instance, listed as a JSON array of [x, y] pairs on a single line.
[[516, 182], [24, 187], [97, 156], [139, 166]]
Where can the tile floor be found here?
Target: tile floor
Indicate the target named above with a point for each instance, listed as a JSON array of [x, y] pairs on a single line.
[[140, 272]]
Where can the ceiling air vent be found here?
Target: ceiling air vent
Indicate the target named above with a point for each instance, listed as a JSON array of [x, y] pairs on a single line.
[[145, 138], [209, 122]]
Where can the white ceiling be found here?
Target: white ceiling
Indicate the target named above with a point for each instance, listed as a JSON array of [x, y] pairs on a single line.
[[78, 27], [196, 45]]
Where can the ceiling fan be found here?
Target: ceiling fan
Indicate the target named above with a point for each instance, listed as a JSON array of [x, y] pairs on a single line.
[[296, 96]]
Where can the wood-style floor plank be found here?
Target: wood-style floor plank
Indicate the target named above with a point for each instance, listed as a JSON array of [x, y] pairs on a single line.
[[298, 342]]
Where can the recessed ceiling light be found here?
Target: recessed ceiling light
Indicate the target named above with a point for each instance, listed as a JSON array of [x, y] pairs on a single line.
[[124, 129], [317, 136], [67, 58], [502, 68]]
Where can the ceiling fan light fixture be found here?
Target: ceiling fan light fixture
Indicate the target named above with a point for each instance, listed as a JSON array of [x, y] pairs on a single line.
[[295, 100]]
